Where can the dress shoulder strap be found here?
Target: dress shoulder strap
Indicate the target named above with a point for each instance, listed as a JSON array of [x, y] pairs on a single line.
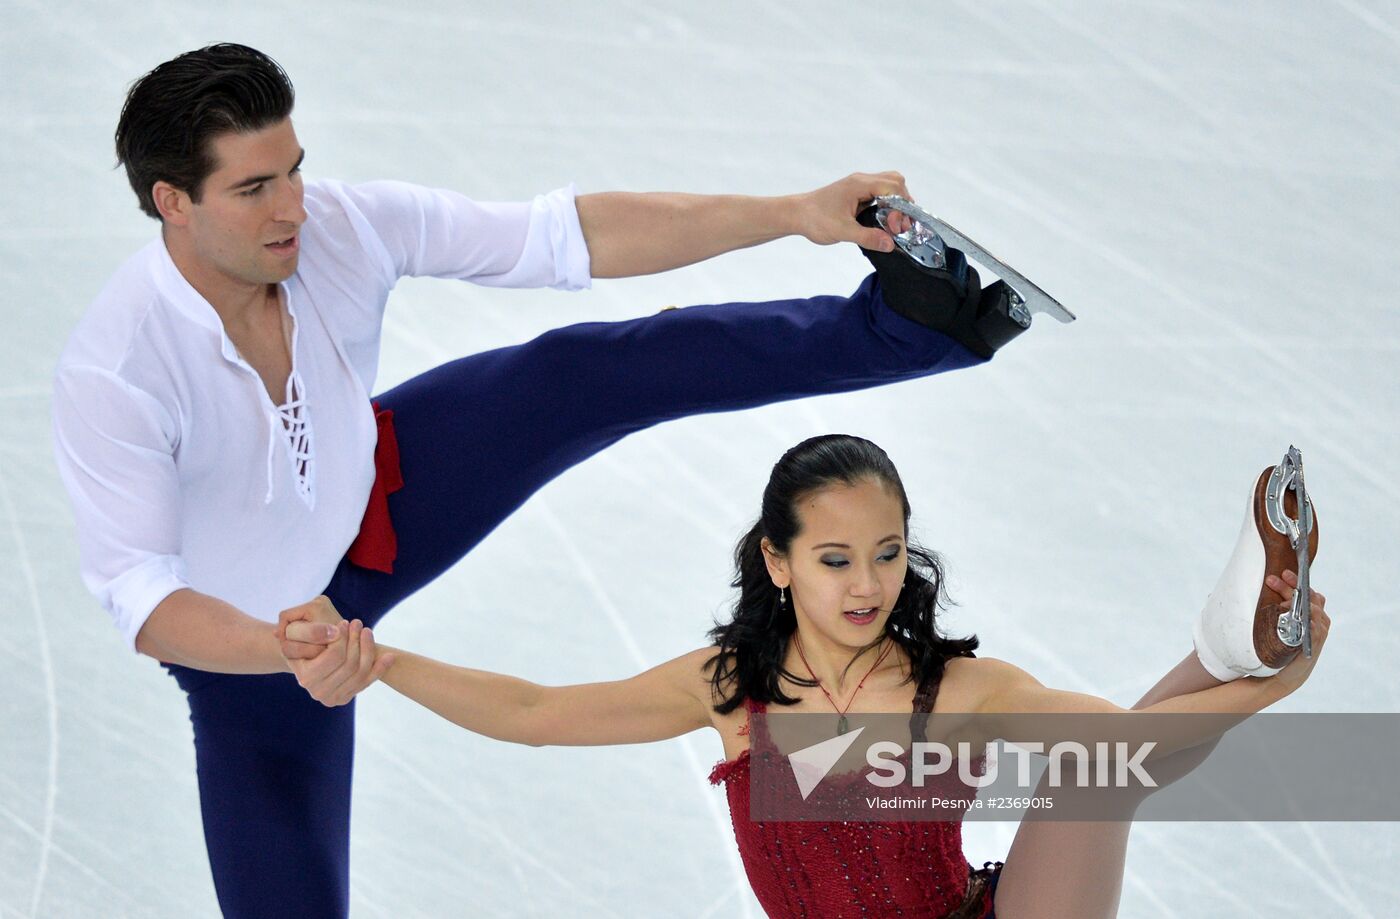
[[927, 695], [924, 701]]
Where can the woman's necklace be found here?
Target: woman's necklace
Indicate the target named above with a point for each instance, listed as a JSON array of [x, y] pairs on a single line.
[[842, 725]]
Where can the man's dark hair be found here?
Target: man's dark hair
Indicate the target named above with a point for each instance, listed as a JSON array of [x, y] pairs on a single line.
[[173, 114]]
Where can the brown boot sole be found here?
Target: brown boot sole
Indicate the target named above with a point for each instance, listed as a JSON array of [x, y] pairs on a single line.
[[1278, 558]]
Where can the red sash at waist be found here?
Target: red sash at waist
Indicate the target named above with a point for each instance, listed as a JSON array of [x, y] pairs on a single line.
[[377, 545]]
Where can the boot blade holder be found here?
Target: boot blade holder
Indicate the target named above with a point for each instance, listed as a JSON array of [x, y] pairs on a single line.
[[925, 243], [1294, 626], [920, 242]]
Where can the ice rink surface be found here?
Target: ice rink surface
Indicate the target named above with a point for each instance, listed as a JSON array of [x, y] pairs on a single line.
[[1212, 188]]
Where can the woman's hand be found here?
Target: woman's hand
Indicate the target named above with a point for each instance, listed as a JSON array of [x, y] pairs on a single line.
[[1297, 671], [346, 659]]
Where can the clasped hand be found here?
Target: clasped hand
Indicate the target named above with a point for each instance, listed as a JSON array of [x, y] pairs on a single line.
[[333, 660]]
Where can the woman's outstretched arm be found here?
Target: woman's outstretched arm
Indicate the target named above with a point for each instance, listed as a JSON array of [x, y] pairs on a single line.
[[665, 701]]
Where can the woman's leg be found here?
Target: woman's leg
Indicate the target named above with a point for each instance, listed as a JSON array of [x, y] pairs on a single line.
[[479, 435], [1074, 870]]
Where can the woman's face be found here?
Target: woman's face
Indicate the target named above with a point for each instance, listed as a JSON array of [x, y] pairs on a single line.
[[846, 565]]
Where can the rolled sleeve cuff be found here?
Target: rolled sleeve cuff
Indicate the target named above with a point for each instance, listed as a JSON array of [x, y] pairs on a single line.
[[132, 597], [572, 265]]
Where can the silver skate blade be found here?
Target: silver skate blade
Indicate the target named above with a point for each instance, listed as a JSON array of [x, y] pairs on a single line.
[[1295, 626], [1299, 532], [1032, 297], [1303, 599], [1288, 476]]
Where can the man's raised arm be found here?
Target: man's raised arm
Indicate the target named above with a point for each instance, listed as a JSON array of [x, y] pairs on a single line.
[[632, 234]]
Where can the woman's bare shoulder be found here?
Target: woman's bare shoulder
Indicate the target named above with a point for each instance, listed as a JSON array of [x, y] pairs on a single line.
[[969, 681], [984, 669], [695, 671]]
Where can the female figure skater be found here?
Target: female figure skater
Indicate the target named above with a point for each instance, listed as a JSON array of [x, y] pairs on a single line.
[[837, 611]]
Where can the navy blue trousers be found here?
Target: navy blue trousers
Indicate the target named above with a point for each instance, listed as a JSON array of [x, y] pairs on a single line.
[[478, 436]]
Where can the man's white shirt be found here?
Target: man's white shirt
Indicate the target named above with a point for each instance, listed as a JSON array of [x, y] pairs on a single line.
[[180, 469]]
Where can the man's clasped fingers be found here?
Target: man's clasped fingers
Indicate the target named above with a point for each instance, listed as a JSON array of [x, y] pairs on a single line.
[[305, 630], [303, 640]]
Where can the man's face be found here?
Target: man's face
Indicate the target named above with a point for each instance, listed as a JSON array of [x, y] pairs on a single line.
[[245, 228]]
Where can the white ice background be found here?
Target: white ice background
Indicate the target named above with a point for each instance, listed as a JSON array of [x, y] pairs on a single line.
[[1211, 187]]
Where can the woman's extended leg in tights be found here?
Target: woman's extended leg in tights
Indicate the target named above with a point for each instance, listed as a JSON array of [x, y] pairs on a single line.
[[1074, 870]]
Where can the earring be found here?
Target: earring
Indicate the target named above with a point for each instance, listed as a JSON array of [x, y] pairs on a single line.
[[782, 597]]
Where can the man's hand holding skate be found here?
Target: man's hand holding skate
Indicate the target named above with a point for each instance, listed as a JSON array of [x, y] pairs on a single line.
[[828, 215], [333, 660]]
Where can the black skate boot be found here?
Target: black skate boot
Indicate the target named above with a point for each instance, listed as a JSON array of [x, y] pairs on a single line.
[[930, 282]]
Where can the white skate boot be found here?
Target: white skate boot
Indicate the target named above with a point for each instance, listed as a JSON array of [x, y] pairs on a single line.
[[1245, 629]]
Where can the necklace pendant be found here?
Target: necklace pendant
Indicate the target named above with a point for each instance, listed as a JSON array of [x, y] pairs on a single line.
[[842, 726]]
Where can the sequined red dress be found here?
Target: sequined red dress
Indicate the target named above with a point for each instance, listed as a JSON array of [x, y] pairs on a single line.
[[847, 869]]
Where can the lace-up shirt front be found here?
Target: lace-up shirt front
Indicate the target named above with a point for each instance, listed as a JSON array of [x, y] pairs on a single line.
[[181, 470]]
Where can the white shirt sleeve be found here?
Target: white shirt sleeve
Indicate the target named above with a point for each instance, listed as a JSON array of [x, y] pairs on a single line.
[[443, 234], [114, 445]]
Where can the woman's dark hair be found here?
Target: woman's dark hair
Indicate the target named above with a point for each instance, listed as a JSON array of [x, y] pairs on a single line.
[[753, 644], [173, 113]]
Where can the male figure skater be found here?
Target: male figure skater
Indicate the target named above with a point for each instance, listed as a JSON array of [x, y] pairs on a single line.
[[214, 430]]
